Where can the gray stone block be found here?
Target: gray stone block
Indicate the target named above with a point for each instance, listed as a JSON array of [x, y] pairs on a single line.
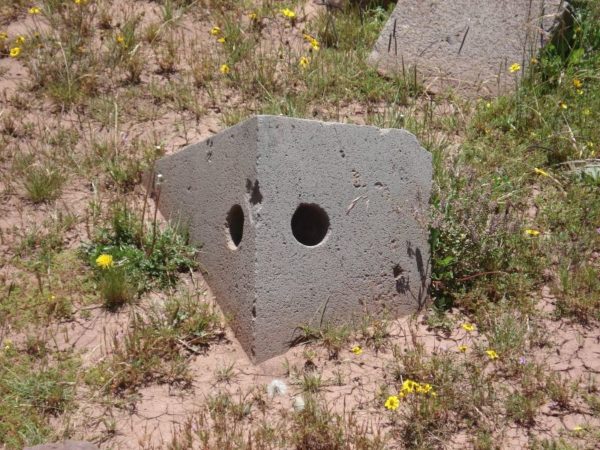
[[64, 445], [303, 222], [466, 44]]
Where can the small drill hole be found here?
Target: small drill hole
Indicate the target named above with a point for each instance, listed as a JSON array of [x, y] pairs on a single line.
[[310, 224], [235, 225]]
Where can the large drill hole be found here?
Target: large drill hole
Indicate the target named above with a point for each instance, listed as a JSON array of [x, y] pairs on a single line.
[[310, 224], [235, 225]]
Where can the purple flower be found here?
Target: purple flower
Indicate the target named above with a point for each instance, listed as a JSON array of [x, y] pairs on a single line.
[[522, 360]]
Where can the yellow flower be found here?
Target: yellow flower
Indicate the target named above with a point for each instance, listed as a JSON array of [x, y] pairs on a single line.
[[541, 172], [3, 35], [8, 344], [253, 16], [34, 10], [120, 39], [587, 112], [20, 40], [488, 105], [563, 105], [357, 350], [514, 67], [409, 386], [462, 348], [224, 69], [580, 91], [104, 261], [288, 13], [491, 354], [312, 41], [531, 232], [303, 63], [215, 31], [577, 83], [468, 327], [221, 40], [424, 388], [15, 52], [80, 2], [577, 428], [392, 403]]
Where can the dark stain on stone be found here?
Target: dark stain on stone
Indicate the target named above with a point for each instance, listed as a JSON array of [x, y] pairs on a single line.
[[254, 190]]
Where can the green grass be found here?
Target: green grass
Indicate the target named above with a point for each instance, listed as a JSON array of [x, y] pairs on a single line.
[[34, 389], [144, 256], [43, 184], [46, 287], [157, 345], [481, 252]]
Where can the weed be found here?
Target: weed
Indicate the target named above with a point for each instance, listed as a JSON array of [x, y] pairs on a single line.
[[375, 331], [144, 259], [311, 382], [334, 338], [115, 288], [225, 374], [43, 184], [33, 390], [523, 408], [155, 346], [559, 390]]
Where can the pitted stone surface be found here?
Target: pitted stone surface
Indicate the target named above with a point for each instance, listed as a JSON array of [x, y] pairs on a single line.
[[467, 44], [356, 197], [64, 445]]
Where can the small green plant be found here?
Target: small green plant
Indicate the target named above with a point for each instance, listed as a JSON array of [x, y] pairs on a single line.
[[43, 184], [115, 288], [312, 382], [33, 391], [560, 391], [141, 258], [225, 374], [333, 337], [156, 346], [316, 427], [523, 408]]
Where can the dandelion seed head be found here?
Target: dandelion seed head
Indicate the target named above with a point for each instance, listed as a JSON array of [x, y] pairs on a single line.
[[298, 403]]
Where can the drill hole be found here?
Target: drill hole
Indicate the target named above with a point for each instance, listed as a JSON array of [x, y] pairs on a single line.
[[310, 224], [235, 225]]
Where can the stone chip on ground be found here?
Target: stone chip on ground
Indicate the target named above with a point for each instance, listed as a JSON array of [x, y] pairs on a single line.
[[465, 44]]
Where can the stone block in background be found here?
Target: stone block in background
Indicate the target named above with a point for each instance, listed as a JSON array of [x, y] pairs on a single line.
[[465, 44]]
